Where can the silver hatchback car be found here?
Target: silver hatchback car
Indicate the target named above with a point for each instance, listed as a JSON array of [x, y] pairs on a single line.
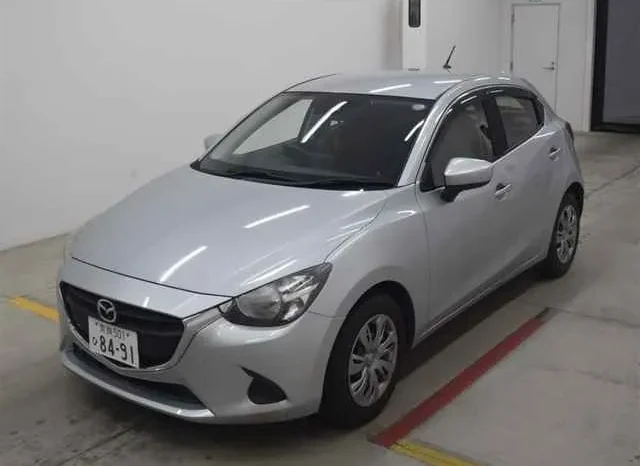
[[289, 269]]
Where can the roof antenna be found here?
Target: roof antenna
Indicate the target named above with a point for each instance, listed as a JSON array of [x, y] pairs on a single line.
[[447, 64]]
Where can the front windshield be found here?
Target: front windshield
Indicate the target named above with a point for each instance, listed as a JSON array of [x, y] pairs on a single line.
[[322, 140]]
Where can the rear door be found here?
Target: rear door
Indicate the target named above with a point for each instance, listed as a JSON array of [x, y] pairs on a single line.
[[525, 168]]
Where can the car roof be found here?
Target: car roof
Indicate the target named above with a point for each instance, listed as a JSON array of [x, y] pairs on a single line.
[[411, 84]]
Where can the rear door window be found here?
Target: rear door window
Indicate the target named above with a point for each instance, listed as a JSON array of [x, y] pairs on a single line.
[[520, 118]]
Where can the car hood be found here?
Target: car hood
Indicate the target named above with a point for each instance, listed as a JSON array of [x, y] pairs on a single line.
[[221, 236]]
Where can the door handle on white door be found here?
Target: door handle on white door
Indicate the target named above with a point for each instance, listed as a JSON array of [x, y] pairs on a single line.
[[551, 67], [554, 152], [502, 189]]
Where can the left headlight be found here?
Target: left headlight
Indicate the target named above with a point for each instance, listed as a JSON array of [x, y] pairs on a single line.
[[279, 302]]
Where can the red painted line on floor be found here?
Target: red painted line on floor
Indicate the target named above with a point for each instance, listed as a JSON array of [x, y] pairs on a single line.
[[459, 384]]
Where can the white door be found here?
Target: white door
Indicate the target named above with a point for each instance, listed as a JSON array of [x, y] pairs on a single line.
[[534, 46]]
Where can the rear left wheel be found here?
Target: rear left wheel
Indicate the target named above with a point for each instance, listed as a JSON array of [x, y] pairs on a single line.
[[564, 242], [363, 367]]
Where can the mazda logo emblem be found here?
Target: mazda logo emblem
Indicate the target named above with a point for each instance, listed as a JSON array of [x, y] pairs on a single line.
[[107, 311]]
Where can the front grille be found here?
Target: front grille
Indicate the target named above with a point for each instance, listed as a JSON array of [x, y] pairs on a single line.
[[158, 334]]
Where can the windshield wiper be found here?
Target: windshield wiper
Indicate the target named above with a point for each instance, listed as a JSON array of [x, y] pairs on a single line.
[[255, 173], [332, 183], [347, 183]]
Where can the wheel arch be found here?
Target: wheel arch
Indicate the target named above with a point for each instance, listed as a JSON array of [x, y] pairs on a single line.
[[578, 191], [401, 296]]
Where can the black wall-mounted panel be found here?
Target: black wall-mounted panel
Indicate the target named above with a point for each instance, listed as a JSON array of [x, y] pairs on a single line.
[[616, 86], [415, 13]]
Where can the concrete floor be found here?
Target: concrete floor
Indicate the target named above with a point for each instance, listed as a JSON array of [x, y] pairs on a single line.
[[569, 396]]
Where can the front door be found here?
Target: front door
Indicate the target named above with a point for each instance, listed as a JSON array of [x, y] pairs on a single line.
[[465, 236], [534, 48]]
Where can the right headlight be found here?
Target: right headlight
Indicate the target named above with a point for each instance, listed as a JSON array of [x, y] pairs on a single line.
[[279, 302]]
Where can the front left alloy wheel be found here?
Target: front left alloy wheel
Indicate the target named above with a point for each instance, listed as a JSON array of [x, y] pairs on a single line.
[[363, 367]]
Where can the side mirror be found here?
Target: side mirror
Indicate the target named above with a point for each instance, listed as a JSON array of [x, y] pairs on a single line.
[[211, 141], [463, 174]]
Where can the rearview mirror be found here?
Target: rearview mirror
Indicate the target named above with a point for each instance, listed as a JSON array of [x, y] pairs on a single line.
[[463, 174], [211, 141]]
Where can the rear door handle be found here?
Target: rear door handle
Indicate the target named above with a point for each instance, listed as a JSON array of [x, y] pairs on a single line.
[[502, 189], [554, 152]]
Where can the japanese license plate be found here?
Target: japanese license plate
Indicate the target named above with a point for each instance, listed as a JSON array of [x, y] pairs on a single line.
[[114, 342]]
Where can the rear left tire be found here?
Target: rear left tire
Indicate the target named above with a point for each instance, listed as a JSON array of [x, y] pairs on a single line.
[[565, 238]]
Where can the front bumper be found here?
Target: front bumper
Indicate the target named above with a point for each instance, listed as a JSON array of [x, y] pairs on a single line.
[[208, 378]]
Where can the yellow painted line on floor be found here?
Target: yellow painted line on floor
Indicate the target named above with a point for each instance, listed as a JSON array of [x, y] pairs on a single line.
[[428, 455], [35, 307]]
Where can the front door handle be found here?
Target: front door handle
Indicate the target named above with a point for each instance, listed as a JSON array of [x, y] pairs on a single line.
[[502, 189], [554, 152], [551, 67]]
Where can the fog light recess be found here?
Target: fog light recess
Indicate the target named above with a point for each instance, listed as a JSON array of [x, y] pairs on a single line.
[[263, 391]]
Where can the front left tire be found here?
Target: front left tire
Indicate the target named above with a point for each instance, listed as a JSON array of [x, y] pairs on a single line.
[[363, 368]]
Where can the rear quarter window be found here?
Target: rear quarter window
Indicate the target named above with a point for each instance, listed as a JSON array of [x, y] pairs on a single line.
[[522, 117]]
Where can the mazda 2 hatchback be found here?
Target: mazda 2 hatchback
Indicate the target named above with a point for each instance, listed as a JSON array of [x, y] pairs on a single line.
[[290, 268]]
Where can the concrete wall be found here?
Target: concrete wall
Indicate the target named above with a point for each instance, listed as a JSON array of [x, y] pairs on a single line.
[[3, 105], [474, 26], [575, 56], [104, 95]]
